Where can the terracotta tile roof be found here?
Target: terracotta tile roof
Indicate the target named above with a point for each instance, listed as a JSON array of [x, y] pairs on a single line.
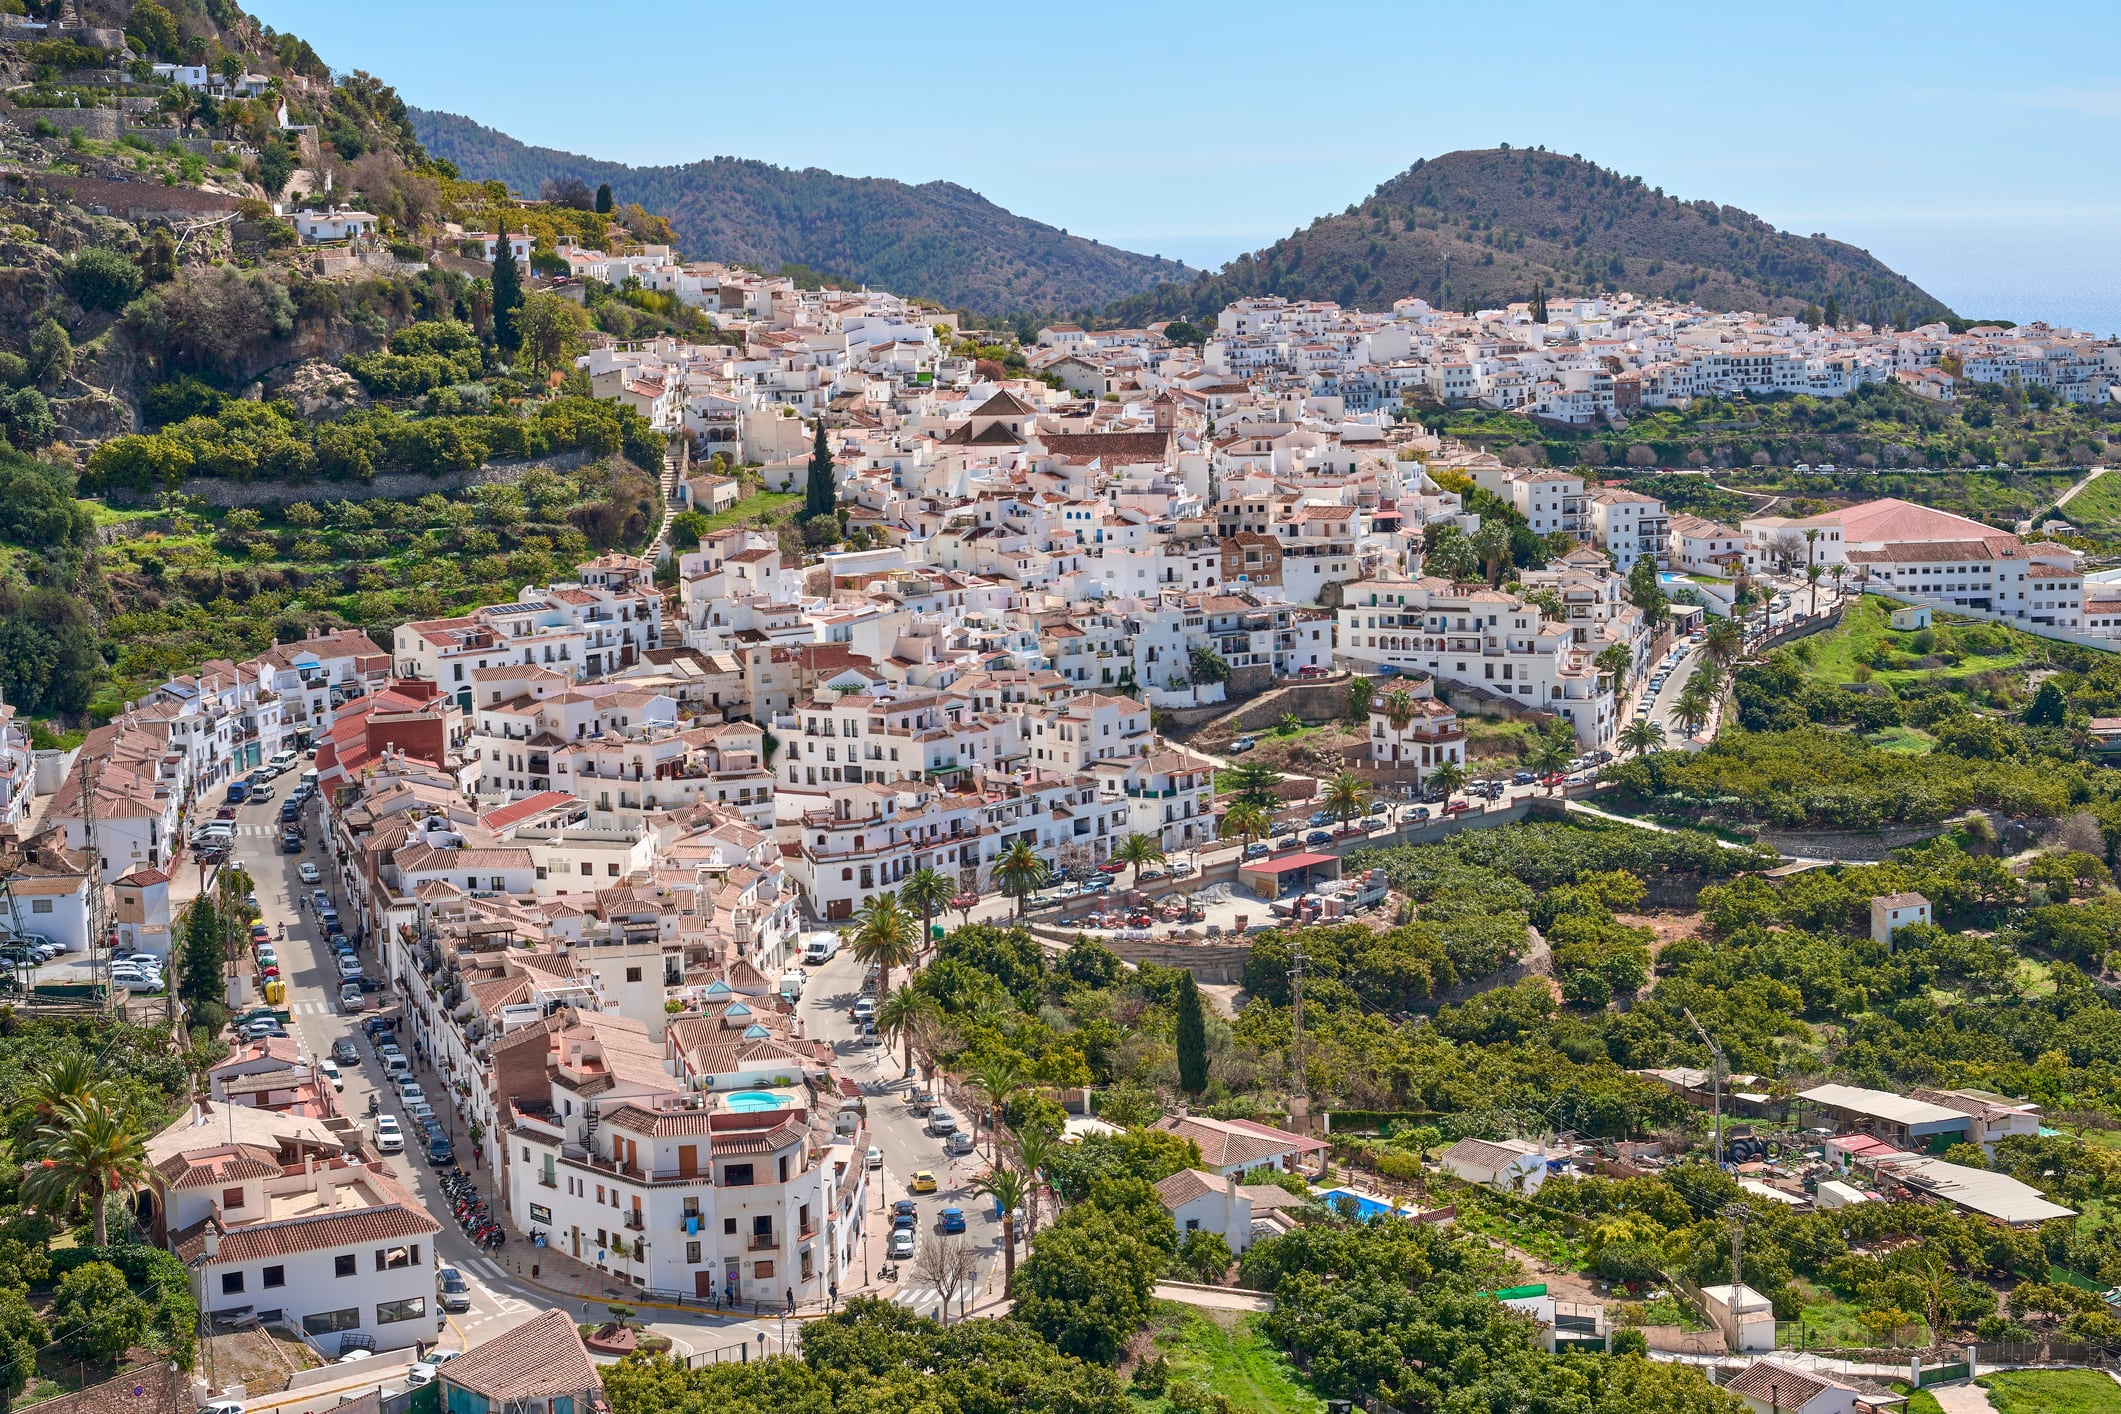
[[541, 1358], [257, 1241], [215, 1168]]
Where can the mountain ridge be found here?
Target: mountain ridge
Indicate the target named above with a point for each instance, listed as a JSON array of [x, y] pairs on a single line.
[[1483, 227], [936, 240]]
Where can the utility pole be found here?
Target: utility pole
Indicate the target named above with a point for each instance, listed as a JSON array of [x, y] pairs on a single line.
[[1715, 1084], [1739, 1214], [96, 919], [1300, 1102]]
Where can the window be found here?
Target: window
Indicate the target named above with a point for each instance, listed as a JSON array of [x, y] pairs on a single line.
[[41, 905], [410, 1309], [326, 1322], [692, 1253], [762, 1270], [728, 1227], [343, 1265], [633, 974], [231, 1283], [736, 1175], [392, 1259], [587, 869], [275, 1276], [231, 1197]]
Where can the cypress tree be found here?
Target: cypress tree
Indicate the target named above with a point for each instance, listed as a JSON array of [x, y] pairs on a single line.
[[507, 293], [603, 198], [1192, 1039], [1539, 305], [821, 491], [200, 983], [1833, 313]]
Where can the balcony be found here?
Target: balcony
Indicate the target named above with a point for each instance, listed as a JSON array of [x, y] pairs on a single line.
[[635, 1221], [546, 1180], [765, 1242]]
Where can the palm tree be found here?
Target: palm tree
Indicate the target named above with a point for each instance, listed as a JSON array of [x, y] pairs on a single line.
[[1692, 709], [1141, 851], [1837, 571], [905, 1013], [1034, 1151], [1021, 872], [1725, 641], [1246, 822], [75, 1081], [1008, 1188], [998, 1078], [883, 936], [1552, 752], [1448, 777], [1614, 660], [1400, 707], [1812, 573], [89, 1151], [1641, 736], [1347, 796], [928, 891]]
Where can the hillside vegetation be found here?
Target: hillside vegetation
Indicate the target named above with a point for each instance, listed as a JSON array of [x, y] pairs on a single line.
[[1478, 229], [937, 241]]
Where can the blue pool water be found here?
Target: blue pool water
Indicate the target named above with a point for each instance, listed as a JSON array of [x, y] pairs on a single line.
[[752, 1101], [1366, 1208]]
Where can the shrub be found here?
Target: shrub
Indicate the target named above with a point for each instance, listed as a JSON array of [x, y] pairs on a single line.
[[97, 1309], [102, 278]]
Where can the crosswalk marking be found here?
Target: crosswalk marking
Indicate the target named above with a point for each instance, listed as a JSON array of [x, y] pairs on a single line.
[[487, 1267]]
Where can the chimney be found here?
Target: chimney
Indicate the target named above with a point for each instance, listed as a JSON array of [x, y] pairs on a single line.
[[327, 1191], [212, 1239]]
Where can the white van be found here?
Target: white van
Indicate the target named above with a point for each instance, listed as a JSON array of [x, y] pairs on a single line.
[[309, 780], [820, 947]]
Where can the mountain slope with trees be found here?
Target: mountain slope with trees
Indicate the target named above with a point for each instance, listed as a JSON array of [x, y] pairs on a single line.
[[935, 241], [1479, 229]]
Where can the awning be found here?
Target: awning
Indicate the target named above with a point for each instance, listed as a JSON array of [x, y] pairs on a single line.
[[1291, 861]]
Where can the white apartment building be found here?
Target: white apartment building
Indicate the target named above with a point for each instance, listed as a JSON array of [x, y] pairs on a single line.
[[1630, 526], [1478, 637]]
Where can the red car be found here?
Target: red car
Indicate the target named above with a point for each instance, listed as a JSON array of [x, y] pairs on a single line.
[[1455, 807], [1312, 671]]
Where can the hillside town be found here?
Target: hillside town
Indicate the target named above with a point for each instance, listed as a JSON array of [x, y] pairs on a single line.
[[584, 856]]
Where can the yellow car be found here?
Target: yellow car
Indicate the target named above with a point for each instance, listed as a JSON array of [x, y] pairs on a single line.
[[923, 1182]]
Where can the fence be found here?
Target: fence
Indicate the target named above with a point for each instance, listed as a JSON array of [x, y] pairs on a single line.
[[737, 1354]]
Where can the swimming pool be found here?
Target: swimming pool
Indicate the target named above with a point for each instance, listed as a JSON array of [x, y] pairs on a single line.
[[753, 1101], [1366, 1207]]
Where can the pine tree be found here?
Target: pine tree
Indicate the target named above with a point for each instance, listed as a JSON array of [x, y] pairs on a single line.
[[507, 293], [1192, 1038], [603, 198], [1539, 305], [821, 491], [1833, 313]]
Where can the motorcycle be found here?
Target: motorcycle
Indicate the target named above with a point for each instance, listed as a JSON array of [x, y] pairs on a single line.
[[888, 1272], [374, 1104]]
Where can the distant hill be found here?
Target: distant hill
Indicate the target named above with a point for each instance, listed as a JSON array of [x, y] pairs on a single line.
[[937, 241], [1480, 229]]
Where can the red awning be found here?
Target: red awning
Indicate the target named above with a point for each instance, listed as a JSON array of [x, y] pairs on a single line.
[[1291, 861]]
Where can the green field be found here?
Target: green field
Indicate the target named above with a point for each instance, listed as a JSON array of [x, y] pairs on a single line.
[[2096, 510], [1961, 646], [2052, 1392], [775, 505], [1224, 1352]]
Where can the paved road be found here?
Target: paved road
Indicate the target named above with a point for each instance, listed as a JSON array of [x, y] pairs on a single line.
[[500, 1299], [906, 1146]]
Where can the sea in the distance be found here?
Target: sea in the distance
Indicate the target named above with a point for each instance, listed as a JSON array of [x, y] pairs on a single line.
[[2063, 272]]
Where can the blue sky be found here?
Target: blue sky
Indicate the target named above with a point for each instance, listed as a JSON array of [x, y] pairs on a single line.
[[1974, 149]]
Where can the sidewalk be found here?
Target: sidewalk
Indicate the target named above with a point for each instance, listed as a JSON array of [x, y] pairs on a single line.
[[562, 1276]]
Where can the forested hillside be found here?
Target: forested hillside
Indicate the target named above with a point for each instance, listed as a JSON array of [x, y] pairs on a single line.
[[937, 241], [1476, 229]]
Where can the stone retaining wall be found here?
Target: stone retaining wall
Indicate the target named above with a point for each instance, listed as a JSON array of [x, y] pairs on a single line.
[[396, 485]]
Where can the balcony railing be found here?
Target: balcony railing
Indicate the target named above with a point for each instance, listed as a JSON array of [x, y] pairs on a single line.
[[764, 1242]]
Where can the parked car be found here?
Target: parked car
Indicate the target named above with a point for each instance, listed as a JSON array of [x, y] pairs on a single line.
[[1258, 849], [875, 1158], [1456, 807], [941, 1122], [389, 1138], [1312, 670], [1319, 837], [900, 1248], [1243, 744], [330, 1069], [309, 873], [453, 1289]]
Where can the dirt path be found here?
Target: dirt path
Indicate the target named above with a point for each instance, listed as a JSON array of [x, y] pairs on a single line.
[[1962, 1399]]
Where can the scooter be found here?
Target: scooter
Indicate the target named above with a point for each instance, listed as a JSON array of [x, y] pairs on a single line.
[[888, 1272], [374, 1104]]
